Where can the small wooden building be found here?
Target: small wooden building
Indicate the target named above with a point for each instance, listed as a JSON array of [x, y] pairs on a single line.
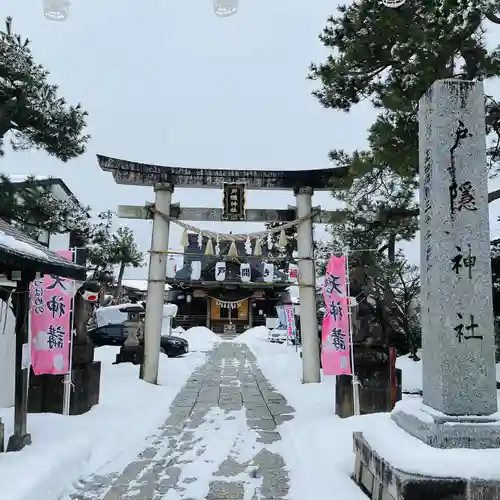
[[232, 304]]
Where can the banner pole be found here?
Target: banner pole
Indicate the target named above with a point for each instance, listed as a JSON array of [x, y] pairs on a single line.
[[355, 381], [68, 382]]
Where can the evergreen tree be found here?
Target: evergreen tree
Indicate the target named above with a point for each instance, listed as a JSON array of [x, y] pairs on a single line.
[[124, 252], [34, 209], [107, 249], [284, 255], [392, 56], [30, 108]]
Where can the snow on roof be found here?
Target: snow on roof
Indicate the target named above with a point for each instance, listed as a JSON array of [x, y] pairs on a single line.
[[141, 285], [20, 246], [24, 178], [16, 244]]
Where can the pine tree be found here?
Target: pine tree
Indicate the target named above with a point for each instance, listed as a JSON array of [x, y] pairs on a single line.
[[392, 56], [107, 249], [284, 255], [124, 252], [30, 108], [34, 209]]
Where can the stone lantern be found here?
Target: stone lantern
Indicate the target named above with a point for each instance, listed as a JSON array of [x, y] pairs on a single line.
[[132, 350]]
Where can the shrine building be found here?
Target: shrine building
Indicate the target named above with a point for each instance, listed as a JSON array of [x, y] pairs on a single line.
[[226, 293]]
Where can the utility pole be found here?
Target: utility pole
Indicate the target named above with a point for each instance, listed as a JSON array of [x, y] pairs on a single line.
[[156, 282], [307, 287]]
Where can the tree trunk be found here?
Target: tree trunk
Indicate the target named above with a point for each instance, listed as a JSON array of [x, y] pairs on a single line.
[[118, 289], [391, 248]]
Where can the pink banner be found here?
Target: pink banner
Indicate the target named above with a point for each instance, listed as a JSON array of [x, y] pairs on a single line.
[[50, 323], [335, 335], [290, 321]]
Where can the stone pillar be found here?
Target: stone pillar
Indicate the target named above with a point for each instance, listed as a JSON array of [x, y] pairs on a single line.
[[457, 314], [156, 282], [307, 288]]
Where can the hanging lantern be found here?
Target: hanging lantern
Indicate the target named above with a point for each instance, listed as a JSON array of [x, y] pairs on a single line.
[[248, 246], [258, 248], [225, 8], [195, 270], [185, 239], [220, 271], [245, 272], [56, 10], [233, 251], [171, 267], [283, 240], [268, 272], [269, 241], [293, 273], [209, 250]]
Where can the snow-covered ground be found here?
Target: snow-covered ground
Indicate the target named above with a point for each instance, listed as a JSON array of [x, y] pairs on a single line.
[[66, 448], [316, 445]]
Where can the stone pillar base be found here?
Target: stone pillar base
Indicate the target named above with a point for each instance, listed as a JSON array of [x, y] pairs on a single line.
[[17, 442], [444, 431], [380, 480], [130, 354]]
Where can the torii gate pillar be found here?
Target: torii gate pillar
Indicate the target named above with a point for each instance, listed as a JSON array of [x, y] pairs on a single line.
[[156, 282], [307, 288]]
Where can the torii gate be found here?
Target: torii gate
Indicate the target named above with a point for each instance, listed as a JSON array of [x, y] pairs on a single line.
[[163, 179]]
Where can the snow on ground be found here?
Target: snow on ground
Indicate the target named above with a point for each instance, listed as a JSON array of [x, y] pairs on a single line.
[[316, 445], [200, 337], [66, 448]]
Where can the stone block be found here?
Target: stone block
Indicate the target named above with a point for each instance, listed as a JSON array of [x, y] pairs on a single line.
[[131, 354], [442, 431], [380, 480]]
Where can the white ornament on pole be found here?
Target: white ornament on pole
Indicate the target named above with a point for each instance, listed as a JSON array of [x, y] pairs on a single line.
[[269, 241], [220, 271], [268, 272], [245, 272], [393, 4], [217, 245], [195, 270], [248, 246]]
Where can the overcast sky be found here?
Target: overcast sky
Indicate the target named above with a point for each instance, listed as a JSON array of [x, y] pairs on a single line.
[[169, 82]]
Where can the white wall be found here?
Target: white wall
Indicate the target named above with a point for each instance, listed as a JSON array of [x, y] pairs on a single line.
[[7, 355], [59, 242]]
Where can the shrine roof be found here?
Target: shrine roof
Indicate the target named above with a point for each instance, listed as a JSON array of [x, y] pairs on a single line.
[[19, 252], [144, 174], [208, 262]]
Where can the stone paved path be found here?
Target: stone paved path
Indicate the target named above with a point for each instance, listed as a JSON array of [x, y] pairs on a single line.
[[214, 445]]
